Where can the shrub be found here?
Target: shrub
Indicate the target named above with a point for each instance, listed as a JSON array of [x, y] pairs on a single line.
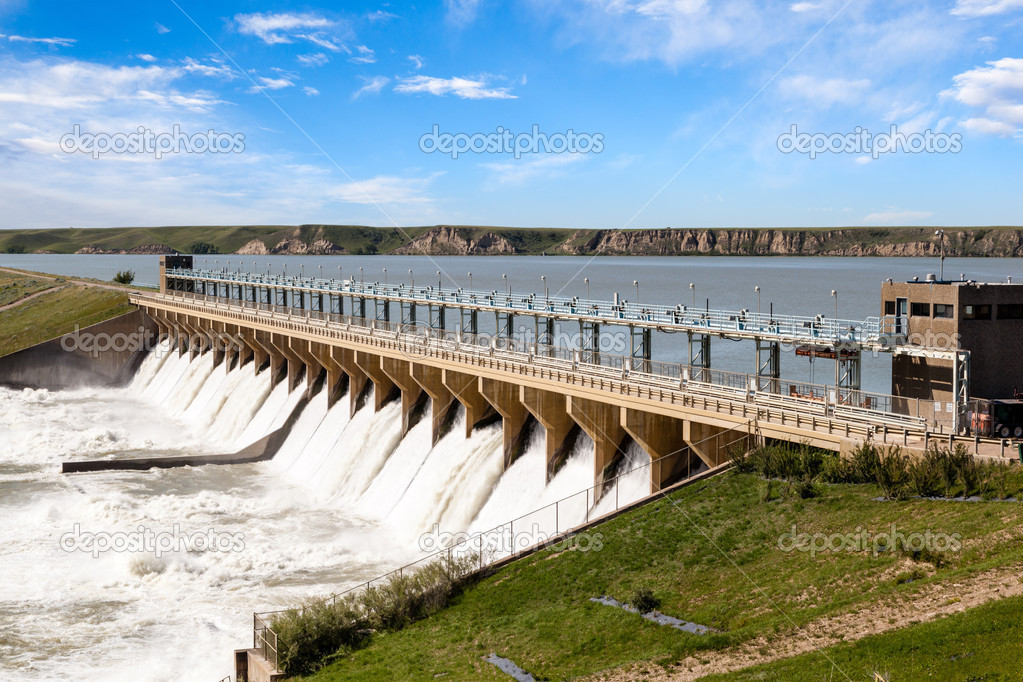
[[203, 248], [645, 601], [864, 462], [925, 475], [310, 636], [971, 473], [836, 469], [996, 479], [892, 474], [124, 277], [948, 469]]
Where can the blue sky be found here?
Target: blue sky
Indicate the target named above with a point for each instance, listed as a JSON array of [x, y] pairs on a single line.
[[689, 98]]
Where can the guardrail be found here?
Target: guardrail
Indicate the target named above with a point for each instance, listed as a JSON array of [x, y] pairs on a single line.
[[817, 329], [487, 545], [882, 410]]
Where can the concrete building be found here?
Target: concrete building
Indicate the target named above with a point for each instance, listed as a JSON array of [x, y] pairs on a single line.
[[984, 319]]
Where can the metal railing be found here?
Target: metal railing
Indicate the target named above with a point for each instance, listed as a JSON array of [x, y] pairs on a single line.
[[485, 546], [852, 405], [875, 332]]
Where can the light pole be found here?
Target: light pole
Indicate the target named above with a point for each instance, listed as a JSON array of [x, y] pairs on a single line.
[[413, 278], [438, 282], [385, 276], [587, 280], [362, 276], [635, 283], [835, 295], [757, 289], [267, 269], [692, 288], [339, 276], [470, 283], [941, 262], [285, 270], [507, 285], [301, 270], [543, 278], [321, 271]]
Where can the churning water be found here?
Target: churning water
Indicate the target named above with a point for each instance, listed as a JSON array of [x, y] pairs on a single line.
[[345, 499]]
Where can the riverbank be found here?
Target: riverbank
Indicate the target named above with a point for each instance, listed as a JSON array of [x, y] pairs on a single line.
[[455, 240]]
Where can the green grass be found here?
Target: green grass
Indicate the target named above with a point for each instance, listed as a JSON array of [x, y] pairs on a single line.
[[710, 555], [16, 287], [984, 643], [56, 313]]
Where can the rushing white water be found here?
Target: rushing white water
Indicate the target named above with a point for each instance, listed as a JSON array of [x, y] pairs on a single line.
[[345, 499]]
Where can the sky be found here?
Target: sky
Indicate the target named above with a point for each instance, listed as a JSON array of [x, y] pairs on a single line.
[[626, 113]]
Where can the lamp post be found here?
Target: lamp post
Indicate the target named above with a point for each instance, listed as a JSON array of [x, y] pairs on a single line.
[[635, 283], [941, 261], [507, 286], [285, 270], [587, 280], [835, 295], [413, 278], [438, 282], [385, 276], [757, 289], [470, 283], [339, 276], [301, 270], [321, 271], [267, 269], [362, 276], [543, 278], [692, 288]]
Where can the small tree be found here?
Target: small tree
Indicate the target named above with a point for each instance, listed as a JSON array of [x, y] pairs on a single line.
[[203, 248], [124, 277]]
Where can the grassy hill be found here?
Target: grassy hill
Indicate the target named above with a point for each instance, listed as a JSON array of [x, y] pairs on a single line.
[[712, 554], [483, 240]]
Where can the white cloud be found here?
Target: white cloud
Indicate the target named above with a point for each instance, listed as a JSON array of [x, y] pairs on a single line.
[[984, 8], [287, 27], [417, 61], [825, 91], [316, 59], [161, 29], [462, 11], [216, 69], [372, 86], [310, 91], [466, 88], [385, 190], [364, 56], [804, 6], [146, 58], [271, 84], [519, 171], [862, 160], [894, 216], [56, 42], [381, 16], [997, 89]]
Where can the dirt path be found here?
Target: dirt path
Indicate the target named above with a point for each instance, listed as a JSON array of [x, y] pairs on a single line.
[[71, 280], [28, 298], [896, 612]]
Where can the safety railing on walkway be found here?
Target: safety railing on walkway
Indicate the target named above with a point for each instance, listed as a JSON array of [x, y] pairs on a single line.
[[537, 529], [842, 404]]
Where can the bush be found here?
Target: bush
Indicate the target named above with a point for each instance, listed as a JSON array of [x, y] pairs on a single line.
[[202, 248], [836, 469], [971, 473], [310, 636], [892, 473], [925, 474], [124, 277], [864, 462], [645, 601]]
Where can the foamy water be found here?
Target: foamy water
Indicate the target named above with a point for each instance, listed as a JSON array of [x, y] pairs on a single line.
[[345, 499]]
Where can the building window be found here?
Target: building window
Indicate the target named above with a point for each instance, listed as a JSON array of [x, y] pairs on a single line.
[[1010, 311], [920, 309], [977, 312], [941, 310], [889, 307]]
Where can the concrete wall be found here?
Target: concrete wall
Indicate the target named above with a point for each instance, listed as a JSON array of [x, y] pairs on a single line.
[[105, 354]]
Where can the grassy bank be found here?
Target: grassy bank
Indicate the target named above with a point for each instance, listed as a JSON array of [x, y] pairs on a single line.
[[710, 554], [63, 305]]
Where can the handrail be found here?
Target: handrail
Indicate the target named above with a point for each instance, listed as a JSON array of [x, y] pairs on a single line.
[[268, 646], [417, 339]]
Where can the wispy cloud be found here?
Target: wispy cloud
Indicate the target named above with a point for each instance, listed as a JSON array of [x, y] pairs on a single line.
[[895, 216], [364, 55], [825, 91], [56, 42], [287, 27], [381, 16], [461, 11], [464, 87], [161, 29], [385, 190], [215, 70], [316, 59], [372, 86], [997, 89], [271, 84], [310, 91], [417, 61], [984, 8], [146, 58], [519, 171]]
